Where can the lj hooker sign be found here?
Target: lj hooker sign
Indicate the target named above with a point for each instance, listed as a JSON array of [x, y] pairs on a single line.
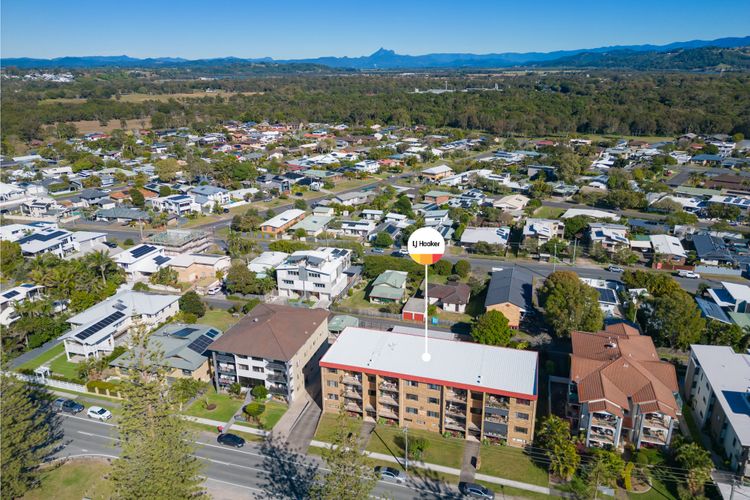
[[426, 246]]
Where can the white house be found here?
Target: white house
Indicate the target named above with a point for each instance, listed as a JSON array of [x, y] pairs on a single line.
[[351, 199], [141, 261], [492, 235], [267, 261], [179, 204], [314, 273], [367, 166], [358, 228], [611, 236], [96, 331], [543, 230], [208, 196], [9, 298], [46, 240]]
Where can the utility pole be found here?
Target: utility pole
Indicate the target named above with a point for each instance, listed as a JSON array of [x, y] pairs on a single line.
[[406, 448], [554, 257], [575, 244]]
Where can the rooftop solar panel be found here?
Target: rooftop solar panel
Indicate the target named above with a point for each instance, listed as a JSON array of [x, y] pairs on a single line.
[[212, 333], [141, 251], [88, 332], [184, 332], [160, 259], [11, 294], [200, 344]]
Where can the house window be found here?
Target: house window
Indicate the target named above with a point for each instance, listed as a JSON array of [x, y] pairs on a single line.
[[256, 359], [524, 402], [258, 369], [314, 275], [288, 282], [412, 383], [522, 416], [243, 367], [333, 397], [433, 414], [333, 383], [293, 273], [332, 370], [521, 430], [433, 401], [412, 397], [319, 285], [411, 410], [476, 396], [187, 373], [433, 387]]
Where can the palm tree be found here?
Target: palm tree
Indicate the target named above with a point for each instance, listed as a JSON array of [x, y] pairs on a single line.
[[697, 460], [41, 269], [101, 261]]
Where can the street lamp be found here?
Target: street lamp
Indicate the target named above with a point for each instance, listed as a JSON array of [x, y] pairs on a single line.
[[406, 448]]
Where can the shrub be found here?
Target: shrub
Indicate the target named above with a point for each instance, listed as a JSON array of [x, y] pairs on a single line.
[[260, 392], [141, 287], [235, 389], [443, 267], [192, 303], [254, 410], [626, 476]]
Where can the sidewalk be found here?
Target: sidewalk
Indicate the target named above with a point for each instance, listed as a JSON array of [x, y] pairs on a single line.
[[450, 470], [216, 424]]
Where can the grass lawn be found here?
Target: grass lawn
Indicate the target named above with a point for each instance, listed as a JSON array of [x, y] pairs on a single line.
[[61, 366], [548, 212], [73, 481], [441, 451], [511, 463], [502, 491], [269, 418], [328, 424], [659, 491], [218, 318], [226, 406], [43, 358]]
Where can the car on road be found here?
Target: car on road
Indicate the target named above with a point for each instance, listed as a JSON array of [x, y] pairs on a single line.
[[390, 474], [66, 405], [213, 290], [378, 250], [229, 439], [475, 490], [688, 274], [615, 269], [99, 413], [110, 244]]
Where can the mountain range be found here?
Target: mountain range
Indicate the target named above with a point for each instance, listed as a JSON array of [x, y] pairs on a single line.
[[618, 56]]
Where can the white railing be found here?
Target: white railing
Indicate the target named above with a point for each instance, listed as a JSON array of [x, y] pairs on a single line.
[[60, 384]]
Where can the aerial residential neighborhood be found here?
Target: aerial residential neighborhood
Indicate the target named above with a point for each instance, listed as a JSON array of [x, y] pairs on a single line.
[[214, 279]]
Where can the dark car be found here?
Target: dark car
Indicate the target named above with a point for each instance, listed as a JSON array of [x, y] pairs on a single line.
[[389, 474], [110, 244], [231, 440], [67, 406], [475, 490]]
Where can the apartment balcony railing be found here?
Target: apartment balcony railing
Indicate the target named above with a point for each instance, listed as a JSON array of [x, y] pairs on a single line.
[[385, 399], [353, 407], [455, 410], [656, 423], [601, 436], [454, 424], [387, 386], [277, 377], [495, 402], [227, 369], [225, 358], [272, 365], [455, 396], [353, 394], [602, 421], [350, 380], [498, 419], [387, 412]]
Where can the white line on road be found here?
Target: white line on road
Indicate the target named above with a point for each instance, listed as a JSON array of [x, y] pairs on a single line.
[[233, 484]]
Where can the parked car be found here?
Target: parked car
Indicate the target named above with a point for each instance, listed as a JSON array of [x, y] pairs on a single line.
[[99, 413], [110, 244], [403, 252], [214, 290], [390, 474], [229, 439], [475, 490], [66, 405], [378, 250], [688, 274], [615, 269]]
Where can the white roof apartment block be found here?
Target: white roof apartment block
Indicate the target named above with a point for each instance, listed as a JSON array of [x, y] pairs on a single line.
[[267, 261], [283, 218], [728, 374], [466, 365], [665, 244], [512, 202], [438, 170], [543, 228], [493, 235], [594, 214]]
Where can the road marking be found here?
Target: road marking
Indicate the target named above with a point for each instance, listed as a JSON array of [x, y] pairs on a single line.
[[232, 484], [66, 415]]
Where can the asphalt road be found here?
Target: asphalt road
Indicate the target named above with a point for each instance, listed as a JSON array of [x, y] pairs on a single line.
[[259, 470]]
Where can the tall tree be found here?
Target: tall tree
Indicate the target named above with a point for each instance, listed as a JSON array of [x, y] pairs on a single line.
[[674, 320], [491, 328], [697, 461], [569, 304], [101, 261], [157, 458], [351, 474], [605, 469], [29, 433], [554, 437]]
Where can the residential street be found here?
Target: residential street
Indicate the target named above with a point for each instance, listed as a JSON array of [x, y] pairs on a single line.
[[261, 470]]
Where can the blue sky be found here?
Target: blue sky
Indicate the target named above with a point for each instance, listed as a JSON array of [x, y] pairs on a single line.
[[296, 29]]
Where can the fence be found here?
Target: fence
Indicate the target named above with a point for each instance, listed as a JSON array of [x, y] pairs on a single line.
[[60, 384], [721, 271]]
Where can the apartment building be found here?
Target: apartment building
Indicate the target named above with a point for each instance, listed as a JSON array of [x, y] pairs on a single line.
[[469, 390], [285, 220], [539, 231], [179, 204], [314, 273], [717, 387], [275, 346], [180, 241], [620, 391]]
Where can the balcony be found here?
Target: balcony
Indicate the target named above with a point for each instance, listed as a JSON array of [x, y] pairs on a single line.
[[494, 429], [454, 409], [225, 358], [352, 380], [602, 420], [273, 365], [387, 412], [227, 369], [497, 402], [455, 395], [388, 386], [387, 399], [656, 422], [353, 407], [655, 437], [454, 424], [277, 377], [278, 389], [352, 394], [602, 437], [497, 419]]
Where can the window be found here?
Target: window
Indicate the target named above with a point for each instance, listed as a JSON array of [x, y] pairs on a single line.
[[476, 411], [332, 383], [333, 370], [521, 430], [524, 402], [319, 285], [288, 282], [412, 383], [433, 401], [187, 373], [476, 396], [522, 416], [371, 392], [412, 397], [411, 410], [371, 378], [314, 275], [433, 414], [333, 397], [293, 273], [256, 358], [243, 367], [258, 369], [433, 387]]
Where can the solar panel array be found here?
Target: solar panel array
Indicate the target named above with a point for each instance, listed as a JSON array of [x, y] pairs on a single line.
[[184, 332], [88, 332], [41, 237], [212, 333], [141, 251], [200, 344], [11, 294], [160, 259]]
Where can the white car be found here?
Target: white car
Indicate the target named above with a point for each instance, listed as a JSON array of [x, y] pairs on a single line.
[[99, 413], [689, 274]]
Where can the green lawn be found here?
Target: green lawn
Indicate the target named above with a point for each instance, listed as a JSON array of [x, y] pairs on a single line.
[[441, 451], [548, 212], [218, 318], [358, 300], [659, 491], [502, 491], [269, 418], [511, 463], [328, 424], [43, 358], [226, 406], [61, 366], [73, 481]]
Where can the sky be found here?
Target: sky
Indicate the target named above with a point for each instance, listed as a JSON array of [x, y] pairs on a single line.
[[302, 29]]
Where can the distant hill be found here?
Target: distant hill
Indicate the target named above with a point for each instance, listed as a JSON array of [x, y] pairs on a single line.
[[630, 56]]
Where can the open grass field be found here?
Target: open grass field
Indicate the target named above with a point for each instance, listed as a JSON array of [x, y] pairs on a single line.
[[511, 463], [61, 366], [548, 212], [226, 406], [90, 126], [40, 360], [441, 451], [74, 480], [269, 418], [218, 318], [329, 423]]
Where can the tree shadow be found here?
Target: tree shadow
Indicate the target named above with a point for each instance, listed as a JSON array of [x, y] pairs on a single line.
[[391, 451], [429, 484], [288, 474]]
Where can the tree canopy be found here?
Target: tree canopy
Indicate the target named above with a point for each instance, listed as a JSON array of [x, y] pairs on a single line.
[[491, 328], [569, 304]]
